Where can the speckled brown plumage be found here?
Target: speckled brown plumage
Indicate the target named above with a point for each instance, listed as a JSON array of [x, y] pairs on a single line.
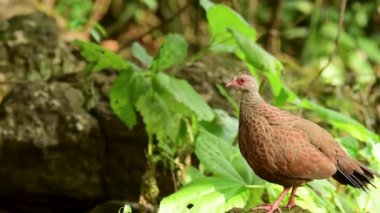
[[288, 150]]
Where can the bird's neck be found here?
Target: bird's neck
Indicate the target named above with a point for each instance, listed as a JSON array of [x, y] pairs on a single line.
[[250, 100]]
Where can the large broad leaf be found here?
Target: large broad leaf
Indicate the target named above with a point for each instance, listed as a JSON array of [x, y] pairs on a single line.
[[125, 91], [233, 185], [183, 93], [140, 53], [223, 159], [212, 194], [220, 18], [173, 51], [101, 58]]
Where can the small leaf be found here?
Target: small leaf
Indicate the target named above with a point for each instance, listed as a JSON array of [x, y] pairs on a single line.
[[173, 51], [140, 53], [184, 93], [101, 58]]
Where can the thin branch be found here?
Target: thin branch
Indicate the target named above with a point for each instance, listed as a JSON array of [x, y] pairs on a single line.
[[336, 42]]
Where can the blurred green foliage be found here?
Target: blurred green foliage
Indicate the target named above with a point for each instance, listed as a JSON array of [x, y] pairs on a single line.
[[177, 117], [76, 11]]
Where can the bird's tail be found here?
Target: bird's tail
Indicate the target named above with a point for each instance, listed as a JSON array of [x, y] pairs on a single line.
[[353, 173]]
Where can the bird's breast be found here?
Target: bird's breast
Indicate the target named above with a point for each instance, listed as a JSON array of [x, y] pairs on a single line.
[[255, 143]]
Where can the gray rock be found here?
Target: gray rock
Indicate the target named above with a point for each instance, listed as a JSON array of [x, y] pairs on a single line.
[[49, 145]]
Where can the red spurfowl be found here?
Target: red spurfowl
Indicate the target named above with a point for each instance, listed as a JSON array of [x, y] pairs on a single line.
[[288, 150]]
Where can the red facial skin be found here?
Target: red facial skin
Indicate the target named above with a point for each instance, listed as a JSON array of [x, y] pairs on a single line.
[[237, 82]]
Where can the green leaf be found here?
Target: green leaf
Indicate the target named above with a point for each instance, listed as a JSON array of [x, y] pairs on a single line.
[[173, 51], [341, 121], [222, 159], [220, 18], [101, 58], [206, 4], [351, 145], [223, 126], [125, 209], [120, 104], [211, 194], [125, 91], [140, 53], [261, 60], [192, 174], [184, 93], [231, 101], [371, 47], [256, 55], [157, 117], [359, 63]]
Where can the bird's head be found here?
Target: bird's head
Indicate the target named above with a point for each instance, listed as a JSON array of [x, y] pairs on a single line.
[[243, 82]]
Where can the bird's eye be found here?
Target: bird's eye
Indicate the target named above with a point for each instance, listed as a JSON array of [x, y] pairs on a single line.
[[241, 80]]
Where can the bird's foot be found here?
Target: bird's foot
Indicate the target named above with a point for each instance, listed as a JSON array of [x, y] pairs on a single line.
[[290, 205], [268, 207]]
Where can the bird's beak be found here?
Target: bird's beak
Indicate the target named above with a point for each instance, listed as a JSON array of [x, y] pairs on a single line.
[[232, 83]]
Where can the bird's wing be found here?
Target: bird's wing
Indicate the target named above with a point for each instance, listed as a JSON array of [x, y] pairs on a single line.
[[349, 170], [299, 158], [320, 138]]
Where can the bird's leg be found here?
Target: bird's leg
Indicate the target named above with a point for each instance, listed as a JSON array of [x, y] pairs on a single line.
[[292, 199], [275, 206]]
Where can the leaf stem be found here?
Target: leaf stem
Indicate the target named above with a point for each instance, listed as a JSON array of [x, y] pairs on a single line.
[[150, 144]]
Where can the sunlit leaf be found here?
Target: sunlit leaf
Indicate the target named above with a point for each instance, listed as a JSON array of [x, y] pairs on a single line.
[[211, 194]]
